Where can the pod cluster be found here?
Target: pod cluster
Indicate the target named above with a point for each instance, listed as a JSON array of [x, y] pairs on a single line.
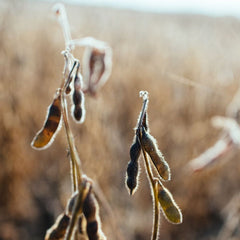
[[88, 225], [144, 142], [44, 138], [82, 212]]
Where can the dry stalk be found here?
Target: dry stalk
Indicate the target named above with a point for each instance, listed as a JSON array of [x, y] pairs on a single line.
[[82, 204]]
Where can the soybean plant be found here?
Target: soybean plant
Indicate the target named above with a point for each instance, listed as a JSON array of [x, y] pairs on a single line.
[[80, 220], [144, 142]]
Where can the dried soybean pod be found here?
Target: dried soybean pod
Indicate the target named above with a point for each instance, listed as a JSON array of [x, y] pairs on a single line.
[[91, 213], [45, 136], [168, 205], [58, 230], [78, 110], [150, 146], [77, 94], [132, 168]]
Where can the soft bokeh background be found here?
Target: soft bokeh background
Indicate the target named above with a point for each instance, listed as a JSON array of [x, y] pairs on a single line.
[[159, 53]]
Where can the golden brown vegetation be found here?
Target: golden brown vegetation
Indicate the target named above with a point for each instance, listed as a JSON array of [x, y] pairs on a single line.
[[154, 52]]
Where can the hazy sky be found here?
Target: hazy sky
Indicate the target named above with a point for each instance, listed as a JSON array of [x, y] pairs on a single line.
[[209, 7]]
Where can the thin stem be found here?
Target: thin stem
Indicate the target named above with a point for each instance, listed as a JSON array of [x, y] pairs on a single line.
[[73, 175], [76, 176], [154, 191], [155, 232], [72, 148], [75, 160]]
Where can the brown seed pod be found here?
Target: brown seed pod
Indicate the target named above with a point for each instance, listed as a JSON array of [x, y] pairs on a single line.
[[78, 111], [168, 205], [97, 65], [58, 230], [91, 213], [45, 136], [150, 146], [133, 168]]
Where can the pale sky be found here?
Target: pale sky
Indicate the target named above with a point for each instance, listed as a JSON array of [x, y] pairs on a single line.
[[208, 7]]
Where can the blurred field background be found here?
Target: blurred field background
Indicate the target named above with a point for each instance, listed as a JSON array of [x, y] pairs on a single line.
[[153, 52]]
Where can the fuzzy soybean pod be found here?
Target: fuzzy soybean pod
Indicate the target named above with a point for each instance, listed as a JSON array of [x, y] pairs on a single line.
[[58, 230], [168, 205], [133, 168], [150, 146], [91, 213], [45, 136]]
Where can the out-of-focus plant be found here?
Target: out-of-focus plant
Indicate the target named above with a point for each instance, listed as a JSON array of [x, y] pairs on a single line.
[[81, 218], [228, 140]]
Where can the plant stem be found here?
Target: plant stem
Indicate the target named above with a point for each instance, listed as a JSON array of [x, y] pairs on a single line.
[[76, 163], [63, 20], [153, 191], [76, 176]]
